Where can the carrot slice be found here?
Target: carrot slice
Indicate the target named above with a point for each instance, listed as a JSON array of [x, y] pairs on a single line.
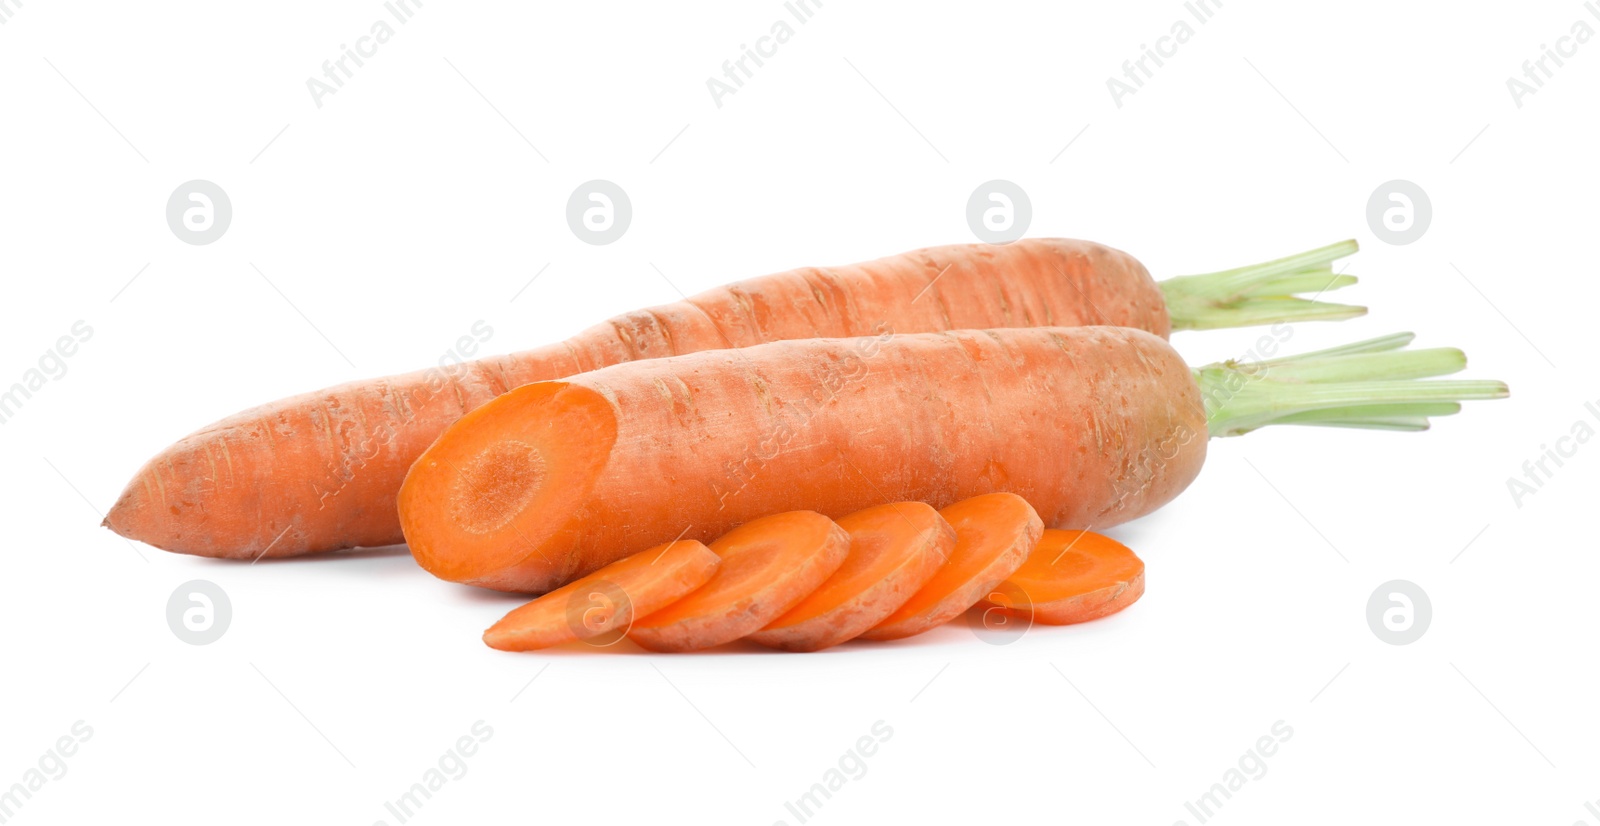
[[608, 599], [1074, 576], [894, 550], [768, 566], [994, 533]]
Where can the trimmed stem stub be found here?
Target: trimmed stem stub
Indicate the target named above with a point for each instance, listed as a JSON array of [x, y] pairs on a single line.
[[1374, 384], [1264, 293]]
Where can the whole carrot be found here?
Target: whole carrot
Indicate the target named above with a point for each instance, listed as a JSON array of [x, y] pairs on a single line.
[[319, 471], [1093, 426]]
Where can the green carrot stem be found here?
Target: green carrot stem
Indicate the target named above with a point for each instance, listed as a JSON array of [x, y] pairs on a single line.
[[1393, 341], [1373, 384], [1357, 412], [1262, 293], [1311, 282], [1405, 424], [1407, 417], [1397, 364]]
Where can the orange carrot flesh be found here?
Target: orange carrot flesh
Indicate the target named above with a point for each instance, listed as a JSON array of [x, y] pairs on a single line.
[[608, 600], [767, 566], [1090, 425], [994, 534], [894, 550], [320, 471], [493, 480], [1071, 577]]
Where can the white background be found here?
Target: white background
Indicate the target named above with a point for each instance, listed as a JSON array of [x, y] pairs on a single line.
[[386, 222]]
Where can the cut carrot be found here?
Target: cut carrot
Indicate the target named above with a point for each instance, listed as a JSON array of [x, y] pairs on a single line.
[[767, 567], [607, 600], [554, 480], [894, 549], [994, 534], [1091, 425], [1073, 576], [319, 471]]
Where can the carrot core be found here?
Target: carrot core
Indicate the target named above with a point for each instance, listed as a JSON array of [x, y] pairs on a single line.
[[497, 485], [536, 453]]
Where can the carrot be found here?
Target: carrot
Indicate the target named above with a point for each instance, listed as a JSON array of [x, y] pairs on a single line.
[[1091, 425], [319, 471], [607, 600], [994, 534], [767, 566], [1071, 577], [894, 550]]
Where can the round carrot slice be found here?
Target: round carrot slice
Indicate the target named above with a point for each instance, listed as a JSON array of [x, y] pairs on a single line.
[[608, 599], [894, 550], [994, 533], [767, 566], [1074, 576]]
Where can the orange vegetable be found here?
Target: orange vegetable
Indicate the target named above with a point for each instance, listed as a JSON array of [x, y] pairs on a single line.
[[994, 534], [609, 599], [1072, 576], [768, 566], [1090, 425], [554, 480], [894, 550], [320, 471]]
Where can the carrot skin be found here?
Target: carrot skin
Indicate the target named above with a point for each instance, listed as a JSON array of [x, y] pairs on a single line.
[[768, 565], [1072, 577], [609, 599], [894, 550], [995, 532], [1092, 426], [319, 471], [1091, 606]]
